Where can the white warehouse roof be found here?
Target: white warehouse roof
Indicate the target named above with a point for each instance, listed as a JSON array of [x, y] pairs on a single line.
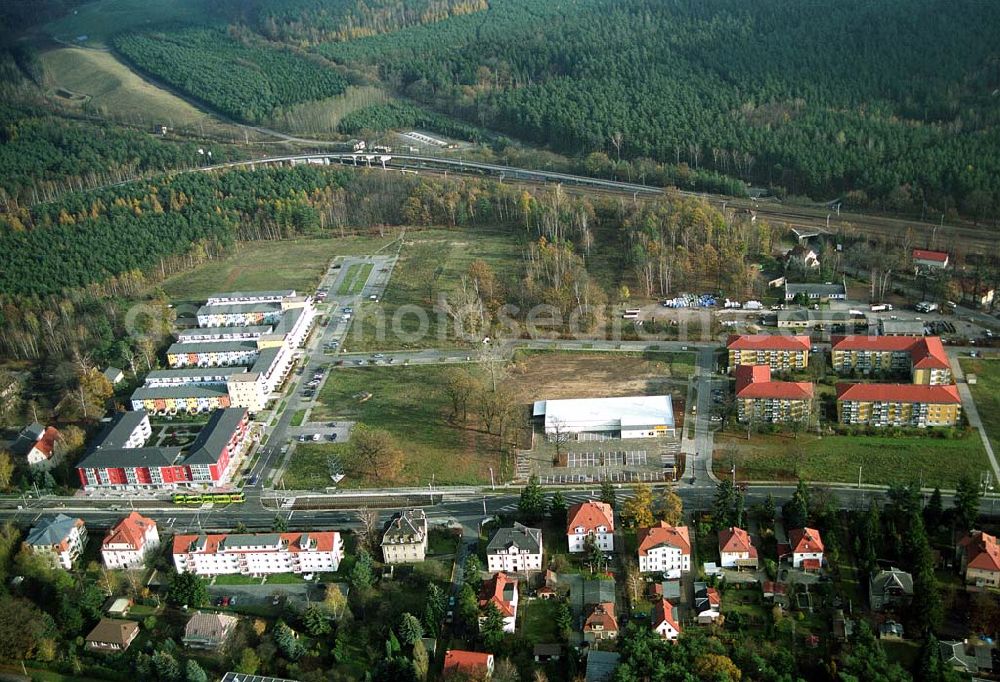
[[606, 414]]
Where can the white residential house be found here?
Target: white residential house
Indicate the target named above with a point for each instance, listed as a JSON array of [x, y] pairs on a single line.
[[590, 519], [665, 621], [807, 548], [60, 538], [665, 549], [515, 550], [129, 543], [405, 540], [736, 549]]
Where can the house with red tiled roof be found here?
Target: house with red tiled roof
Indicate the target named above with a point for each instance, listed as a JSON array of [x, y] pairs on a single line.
[[736, 549], [980, 557], [898, 405], [590, 519], [806, 548], [600, 622], [258, 553], [129, 543], [36, 443], [925, 259], [665, 621], [460, 664], [779, 352], [664, 549], [922, 357], [759, 398], [501, 591]]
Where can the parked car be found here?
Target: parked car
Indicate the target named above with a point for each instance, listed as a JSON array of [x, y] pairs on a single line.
[[232, 602]]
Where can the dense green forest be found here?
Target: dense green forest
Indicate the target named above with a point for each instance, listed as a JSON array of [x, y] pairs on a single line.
[[314, 21], [397, 115], [237, 75], [42, 155], [896, 100]]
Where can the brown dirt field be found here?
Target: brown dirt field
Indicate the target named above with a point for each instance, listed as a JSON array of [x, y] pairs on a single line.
[[589, 375]]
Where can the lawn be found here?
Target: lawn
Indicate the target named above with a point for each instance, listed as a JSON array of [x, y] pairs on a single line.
[[298, 418], [539, 623], [409, 403], [309, 468], [432, 263], [986, 393], [103, 85], [354, 281], [236, 579], [286, 264], [883, 460]]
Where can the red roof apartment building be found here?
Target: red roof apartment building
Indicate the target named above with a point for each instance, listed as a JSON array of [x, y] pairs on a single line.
[[922, 357], [129, 543], [898, 405], [258, 553], [780, 353], [759, 398]]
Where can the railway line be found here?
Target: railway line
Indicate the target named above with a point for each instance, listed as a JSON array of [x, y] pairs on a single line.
[[973, 239]]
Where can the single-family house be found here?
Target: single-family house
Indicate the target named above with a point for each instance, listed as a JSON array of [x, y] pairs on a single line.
[[807, 548], [37, 444], [961, 656], [111, 636], [515, 550], [600, 623], [665, 621], [802, 257], [979, 554], [590, 519], [208, 630], [707, 603], [890, 588], [460, 664], [664, 549], [405, 539], [501, 592], [736, 549]]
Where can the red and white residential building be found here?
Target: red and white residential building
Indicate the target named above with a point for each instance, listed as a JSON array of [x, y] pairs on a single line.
[[129, 543], [472, 664], [665, 549], [501, 591], [591, 519], [665, 621], [736, 549], [122, 461], [600, 623], [979, 553], [758, 398], [807, 548], [258, 553], [925, 259]]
